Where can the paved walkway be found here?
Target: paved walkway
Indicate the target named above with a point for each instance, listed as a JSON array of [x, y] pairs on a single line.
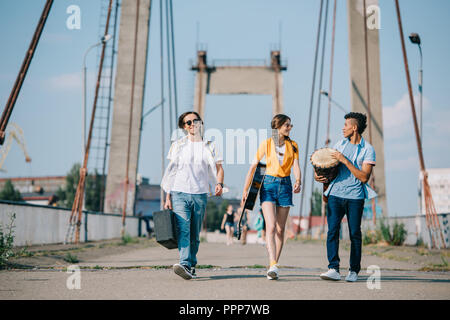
[[231, 272]]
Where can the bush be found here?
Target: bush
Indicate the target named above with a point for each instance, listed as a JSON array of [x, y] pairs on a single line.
[[126, 239], [397, 236], [6, 241], [213, 216], [71, 258], [371, 237], [419, 242]]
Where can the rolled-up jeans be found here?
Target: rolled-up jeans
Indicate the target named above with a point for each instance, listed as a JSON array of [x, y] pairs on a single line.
[[189, 212], [337, 208]]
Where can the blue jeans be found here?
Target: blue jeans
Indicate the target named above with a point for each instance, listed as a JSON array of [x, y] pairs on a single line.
[[337, 208], [189, 212], [277, 190]]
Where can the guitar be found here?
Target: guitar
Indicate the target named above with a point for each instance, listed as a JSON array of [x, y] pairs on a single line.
[[257, 181]]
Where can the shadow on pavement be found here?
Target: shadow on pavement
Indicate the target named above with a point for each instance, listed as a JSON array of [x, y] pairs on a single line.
[[306, 277]]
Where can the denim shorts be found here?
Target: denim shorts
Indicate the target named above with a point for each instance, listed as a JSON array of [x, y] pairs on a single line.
[[277, 190]]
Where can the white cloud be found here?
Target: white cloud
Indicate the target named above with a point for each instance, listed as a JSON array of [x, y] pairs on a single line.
[[440, 123], [74, 81], [400, 141], [68, 81], [397, 119], [404, 164]]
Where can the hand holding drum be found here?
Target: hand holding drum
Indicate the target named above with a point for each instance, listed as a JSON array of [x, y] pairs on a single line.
[[325, 166]]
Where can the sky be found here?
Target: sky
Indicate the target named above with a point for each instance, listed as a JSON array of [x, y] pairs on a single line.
[[49, 108]]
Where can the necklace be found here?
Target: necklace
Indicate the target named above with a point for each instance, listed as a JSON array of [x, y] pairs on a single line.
[[278, 149]]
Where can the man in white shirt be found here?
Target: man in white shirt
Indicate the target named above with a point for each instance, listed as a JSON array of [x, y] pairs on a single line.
[[194, 171]]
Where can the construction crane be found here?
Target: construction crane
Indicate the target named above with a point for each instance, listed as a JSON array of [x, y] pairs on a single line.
[[13, 131]]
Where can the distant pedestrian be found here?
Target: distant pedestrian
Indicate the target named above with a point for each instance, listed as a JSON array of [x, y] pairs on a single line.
[[260, 226], [228, 224], [244, 226], [147, 216]]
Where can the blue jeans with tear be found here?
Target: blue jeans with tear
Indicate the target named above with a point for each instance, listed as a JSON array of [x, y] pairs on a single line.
[[189, 212]]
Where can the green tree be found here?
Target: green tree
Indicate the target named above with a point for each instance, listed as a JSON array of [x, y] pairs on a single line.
[[66, 195], [93, 191], [212, 216], [223, 208], [9, 193]]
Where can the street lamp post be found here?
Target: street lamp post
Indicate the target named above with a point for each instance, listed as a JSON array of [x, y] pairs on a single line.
[[415, 38], [103, 40], [322, 92]]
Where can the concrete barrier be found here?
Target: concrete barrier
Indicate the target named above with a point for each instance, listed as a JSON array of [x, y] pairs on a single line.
[[415, 226], [35, 224]]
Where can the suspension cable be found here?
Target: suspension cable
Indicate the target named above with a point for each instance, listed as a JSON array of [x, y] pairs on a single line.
[[318, 107], [369, 112], [330, 86], [23, 71], [162, 95], [77, 207], [330, 92], [173, 61], [169, 69], [310, 109], [430, 210]]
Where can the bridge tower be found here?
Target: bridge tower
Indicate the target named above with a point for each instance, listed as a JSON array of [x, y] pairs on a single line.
[[238, 77], [358, 81]]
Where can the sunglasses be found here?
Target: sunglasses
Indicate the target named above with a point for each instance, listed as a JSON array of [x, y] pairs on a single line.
[[190, 122]]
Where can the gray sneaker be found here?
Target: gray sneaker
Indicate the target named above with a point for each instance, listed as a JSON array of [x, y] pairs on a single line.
[[194, 275], [182, 271], [331, 274], [351, 277]]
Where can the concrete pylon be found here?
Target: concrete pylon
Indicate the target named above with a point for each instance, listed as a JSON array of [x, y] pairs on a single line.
[[238, 77], [118, 153], [358, 84]]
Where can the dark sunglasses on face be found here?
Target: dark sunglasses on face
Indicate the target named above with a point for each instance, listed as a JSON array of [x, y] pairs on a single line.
[[189, 122]]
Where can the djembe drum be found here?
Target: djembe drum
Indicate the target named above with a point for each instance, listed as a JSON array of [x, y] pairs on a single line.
[[324, 165]]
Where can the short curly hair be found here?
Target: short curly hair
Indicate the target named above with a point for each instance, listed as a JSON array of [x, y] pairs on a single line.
[[361, 120]]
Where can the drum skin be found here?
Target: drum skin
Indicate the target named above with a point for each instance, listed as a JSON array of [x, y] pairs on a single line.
[[324, 165]]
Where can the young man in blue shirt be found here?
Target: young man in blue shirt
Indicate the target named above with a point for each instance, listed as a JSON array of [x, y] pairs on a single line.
[[347, 193]]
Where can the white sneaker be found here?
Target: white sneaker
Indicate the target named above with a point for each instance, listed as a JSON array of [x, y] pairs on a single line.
[[331, 274], [272, 273], [351, 277]]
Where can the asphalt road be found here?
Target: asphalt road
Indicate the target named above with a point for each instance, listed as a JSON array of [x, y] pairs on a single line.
[[230, 272]]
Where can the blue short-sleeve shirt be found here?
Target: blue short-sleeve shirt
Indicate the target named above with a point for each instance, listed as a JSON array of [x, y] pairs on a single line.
[[345, 185]]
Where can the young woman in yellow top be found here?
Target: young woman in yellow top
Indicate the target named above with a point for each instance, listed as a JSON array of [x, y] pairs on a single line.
[[276, 191]]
